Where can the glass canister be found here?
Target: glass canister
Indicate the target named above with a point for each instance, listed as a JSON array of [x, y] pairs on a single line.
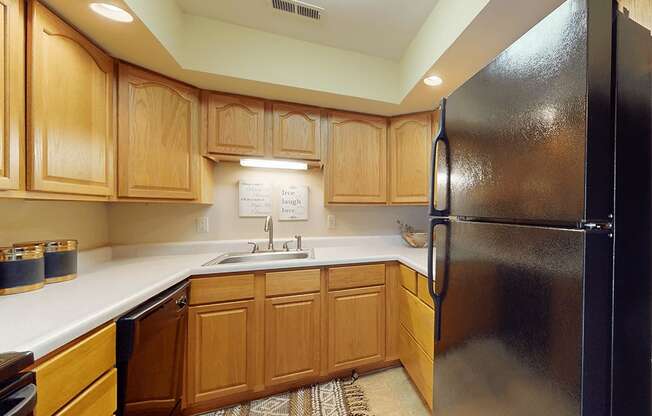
[[22, 269]]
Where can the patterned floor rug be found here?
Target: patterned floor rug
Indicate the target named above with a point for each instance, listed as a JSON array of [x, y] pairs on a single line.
[[333, 398]]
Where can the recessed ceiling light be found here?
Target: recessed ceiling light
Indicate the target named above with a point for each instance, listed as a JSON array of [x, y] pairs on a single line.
[[111, 12], [274, 164], [432, 81]]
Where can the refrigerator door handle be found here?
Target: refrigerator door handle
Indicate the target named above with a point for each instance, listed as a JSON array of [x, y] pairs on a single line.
[[436, 297], [441, 137]]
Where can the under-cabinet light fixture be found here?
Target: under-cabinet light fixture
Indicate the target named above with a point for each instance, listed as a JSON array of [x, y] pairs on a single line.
[[111, 12], [273, 164]]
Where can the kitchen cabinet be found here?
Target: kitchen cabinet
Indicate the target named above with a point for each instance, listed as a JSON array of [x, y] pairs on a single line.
[[12, 95], [233, 125], [410, 139], [71, 109], [356, 327], [292, 338], [158, 138], [221, 350], [71, 374], [356, 168], [417, 364], [296, 132]]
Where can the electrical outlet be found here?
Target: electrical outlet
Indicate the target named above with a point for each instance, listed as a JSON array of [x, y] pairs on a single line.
[[331, 221], [202, 225]]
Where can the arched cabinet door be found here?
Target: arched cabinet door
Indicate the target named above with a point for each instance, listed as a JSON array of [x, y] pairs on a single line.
[[12, 94], [70, 103], [356, 170], [296, 132], [158, 137], [409, 158]]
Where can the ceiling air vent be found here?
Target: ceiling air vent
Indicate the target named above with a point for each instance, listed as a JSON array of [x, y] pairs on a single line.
[[298, 8]]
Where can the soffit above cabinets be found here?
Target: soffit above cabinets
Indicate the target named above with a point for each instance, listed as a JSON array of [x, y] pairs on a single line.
[[361, 25], [199, 43]]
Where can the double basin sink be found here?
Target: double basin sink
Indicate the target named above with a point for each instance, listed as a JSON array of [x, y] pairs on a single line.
[[262, 256]]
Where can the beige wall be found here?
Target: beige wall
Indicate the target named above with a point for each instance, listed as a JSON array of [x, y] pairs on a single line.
[[140, 223], [22, 220]]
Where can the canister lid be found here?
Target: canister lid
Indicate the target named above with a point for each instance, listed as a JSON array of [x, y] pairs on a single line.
[[20, 253], [50, 246]]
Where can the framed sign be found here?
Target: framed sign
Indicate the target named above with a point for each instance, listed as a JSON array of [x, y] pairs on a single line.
[[255, 199], [294, 203]]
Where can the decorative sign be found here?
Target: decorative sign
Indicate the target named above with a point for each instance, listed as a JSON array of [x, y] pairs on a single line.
[[294, 203], [255, 199]]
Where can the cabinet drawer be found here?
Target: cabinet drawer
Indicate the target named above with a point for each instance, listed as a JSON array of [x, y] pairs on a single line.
[[221, 288], [100, 399], [292, 282], [356, 276], [422, 291], [418, 319], [417, 364], [68, 373], [408, 278]]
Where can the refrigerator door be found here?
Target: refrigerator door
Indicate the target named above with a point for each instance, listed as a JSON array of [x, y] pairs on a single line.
[[527, 139], [522, 320]]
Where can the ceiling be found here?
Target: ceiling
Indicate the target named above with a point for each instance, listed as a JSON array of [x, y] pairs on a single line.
[[359, 25], [455, 39]]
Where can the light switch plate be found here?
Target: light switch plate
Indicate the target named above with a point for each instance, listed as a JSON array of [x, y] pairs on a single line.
[[202, 225], [331, 221]]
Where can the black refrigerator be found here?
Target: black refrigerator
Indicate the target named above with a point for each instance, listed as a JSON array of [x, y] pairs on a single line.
[[539, 236]]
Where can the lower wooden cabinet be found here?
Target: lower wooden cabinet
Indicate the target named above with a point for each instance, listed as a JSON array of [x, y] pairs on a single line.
[[356, 327], [69, 378], [221, 350], [418, 365], [292, 338]]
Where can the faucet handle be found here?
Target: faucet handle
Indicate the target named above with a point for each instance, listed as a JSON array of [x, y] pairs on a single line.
[[298, 238], [254, 247], [286, 246]]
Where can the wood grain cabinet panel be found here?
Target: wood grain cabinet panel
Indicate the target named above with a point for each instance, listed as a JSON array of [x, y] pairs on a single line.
[[235, 125], [292, 338], [71, 117], [419, 320], [221, 350], [100, 399], [12, 94], [410, 139], [68, 373], [158, 137], [356, 327], [418, 365], [296, 132], [356, 170], [347, 277]]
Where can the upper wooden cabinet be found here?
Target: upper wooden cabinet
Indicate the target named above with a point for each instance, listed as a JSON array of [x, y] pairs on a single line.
[[234, 125], [70, 101], [12, 94], [356, 170], [296, 132], [158, 137], [409, 158]]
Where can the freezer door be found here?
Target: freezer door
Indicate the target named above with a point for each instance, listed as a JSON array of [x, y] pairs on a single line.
[[524, 321], [528, 137]]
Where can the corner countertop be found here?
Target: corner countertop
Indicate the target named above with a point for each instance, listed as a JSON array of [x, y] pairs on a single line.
[[113, 280]]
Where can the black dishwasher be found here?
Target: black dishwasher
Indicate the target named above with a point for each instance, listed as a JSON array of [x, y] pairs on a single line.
[[150, 350]]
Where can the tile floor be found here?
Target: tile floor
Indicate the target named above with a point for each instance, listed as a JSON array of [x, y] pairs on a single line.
[[391, 393]]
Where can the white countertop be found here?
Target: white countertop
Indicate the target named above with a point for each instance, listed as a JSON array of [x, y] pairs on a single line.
[[46, 319]]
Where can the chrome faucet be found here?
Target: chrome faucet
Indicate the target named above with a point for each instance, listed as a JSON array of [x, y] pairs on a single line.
[[269, 228]]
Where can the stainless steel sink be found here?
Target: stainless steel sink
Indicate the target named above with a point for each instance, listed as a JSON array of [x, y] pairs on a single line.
[[229, 258]]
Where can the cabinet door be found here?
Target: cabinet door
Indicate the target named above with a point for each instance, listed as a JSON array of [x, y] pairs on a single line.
[[296, 132], [292, 338], [71, 117], [356, 327], [236, 125], [409, 158], [221, 355], [357, 159], [12, 94], [158, 137]]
